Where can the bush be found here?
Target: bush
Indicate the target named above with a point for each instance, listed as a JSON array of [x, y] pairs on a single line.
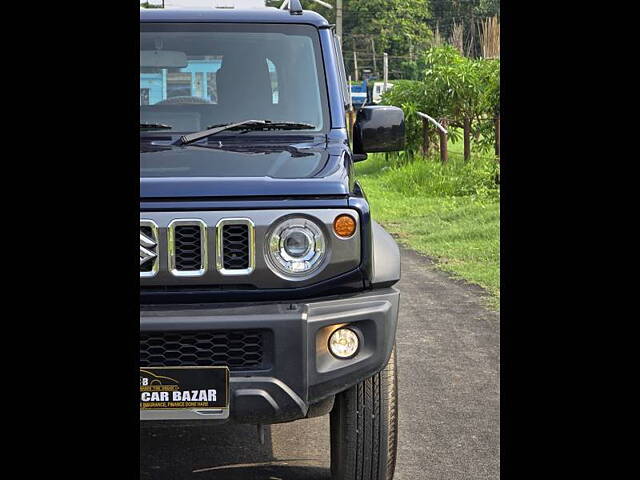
[[453, 88], [405, 94], [414, 176]]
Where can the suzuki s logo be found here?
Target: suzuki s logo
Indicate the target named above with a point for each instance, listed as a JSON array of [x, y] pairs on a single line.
[[146, 244], [148, 248]]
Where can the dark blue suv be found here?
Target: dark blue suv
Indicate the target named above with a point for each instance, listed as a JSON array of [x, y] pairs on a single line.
[[266, 289]]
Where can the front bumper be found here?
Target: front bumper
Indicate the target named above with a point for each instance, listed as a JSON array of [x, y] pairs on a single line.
[[301, 372]]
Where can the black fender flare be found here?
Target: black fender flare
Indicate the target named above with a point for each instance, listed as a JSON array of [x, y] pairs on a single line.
[[386, 258]]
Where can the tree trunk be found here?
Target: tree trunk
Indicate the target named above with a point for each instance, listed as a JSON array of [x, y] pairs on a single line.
[[444, 154], [467, 139], [497, 126], [425, 137]]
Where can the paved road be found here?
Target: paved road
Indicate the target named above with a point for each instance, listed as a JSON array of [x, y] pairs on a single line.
[[448, 356]]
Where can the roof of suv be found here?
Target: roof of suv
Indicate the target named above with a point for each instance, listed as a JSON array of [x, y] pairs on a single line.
[[216, 15]]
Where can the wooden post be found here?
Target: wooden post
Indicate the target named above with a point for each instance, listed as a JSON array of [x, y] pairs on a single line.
[[385, 70], [373, 49], [351, 119], [467, 139], [497, 126], [355, 62], [444, 154], [425, 137]]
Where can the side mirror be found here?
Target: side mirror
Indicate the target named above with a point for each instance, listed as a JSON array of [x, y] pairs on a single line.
[[378, 128]]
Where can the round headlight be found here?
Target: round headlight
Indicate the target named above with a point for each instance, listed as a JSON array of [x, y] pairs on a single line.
[[297, 242], [295, 249]]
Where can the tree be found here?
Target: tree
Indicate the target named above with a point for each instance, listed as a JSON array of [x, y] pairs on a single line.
[[467, 92], [464, 14], [463, 92], [488, 125], [412, 97], [397, 27]]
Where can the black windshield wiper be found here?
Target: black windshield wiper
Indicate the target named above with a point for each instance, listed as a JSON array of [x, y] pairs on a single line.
[[246, 125], [267, 125], [155, 126]]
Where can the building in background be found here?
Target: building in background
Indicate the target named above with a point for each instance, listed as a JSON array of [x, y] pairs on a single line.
[[197, 79]]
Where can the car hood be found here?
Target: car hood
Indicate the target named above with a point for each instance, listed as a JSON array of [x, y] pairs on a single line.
[[220, 168]]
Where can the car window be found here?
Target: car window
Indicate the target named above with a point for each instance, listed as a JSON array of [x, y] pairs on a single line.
[[229, 73]]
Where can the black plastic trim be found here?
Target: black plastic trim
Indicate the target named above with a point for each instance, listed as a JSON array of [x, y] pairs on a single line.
[[350, 282], [302, 373]]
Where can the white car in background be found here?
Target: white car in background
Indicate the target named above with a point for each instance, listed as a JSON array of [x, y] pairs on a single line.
[[378, 90]]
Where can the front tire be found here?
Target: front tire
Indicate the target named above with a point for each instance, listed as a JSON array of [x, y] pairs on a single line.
[[364, 428]]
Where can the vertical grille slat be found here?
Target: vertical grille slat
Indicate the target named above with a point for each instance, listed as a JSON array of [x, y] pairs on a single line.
[[235, 247], [188, 245], [188, 248]]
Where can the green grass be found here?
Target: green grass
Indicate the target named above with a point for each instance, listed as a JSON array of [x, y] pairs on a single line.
[[450, 213]]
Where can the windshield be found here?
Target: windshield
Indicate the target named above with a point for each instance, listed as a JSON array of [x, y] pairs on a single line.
[[193, 76]]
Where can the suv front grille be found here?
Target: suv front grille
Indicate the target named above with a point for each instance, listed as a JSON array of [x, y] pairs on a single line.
[[237, 349], [235, 247]]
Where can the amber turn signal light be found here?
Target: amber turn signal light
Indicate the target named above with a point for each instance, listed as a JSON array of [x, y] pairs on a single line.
[[344, 225]]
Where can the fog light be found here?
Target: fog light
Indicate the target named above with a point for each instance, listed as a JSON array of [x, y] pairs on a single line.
[[344, 343]]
